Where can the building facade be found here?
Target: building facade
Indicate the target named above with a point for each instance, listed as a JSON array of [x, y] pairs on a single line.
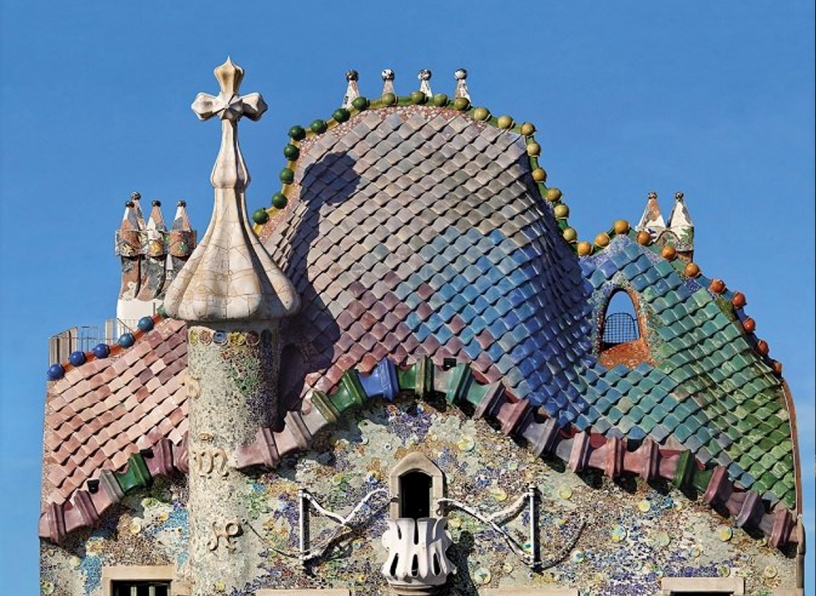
[[408, 376]]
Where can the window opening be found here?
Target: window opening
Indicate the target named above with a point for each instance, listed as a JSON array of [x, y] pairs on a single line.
[[620, 321], [141, 588], [415, 495]]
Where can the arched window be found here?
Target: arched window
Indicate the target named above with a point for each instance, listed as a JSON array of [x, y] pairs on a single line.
[[416, 484], [620, 323]]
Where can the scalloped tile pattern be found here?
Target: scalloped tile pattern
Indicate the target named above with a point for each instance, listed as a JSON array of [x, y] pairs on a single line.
[[107, 409]]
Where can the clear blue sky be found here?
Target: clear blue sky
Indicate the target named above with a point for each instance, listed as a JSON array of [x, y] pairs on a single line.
[[714, 98]]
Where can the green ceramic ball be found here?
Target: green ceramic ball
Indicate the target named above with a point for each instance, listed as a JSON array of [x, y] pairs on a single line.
[[481, 113], [461, 103], [287, 176], [418, 97], [388, 99], [341, 114], [279, 200], [297, 132], [440, 100], [318, 126], [505, 122], [291, 152], [360, 103], [260, 216]]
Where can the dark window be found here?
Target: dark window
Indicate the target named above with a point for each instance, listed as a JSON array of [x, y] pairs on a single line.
[[620, 321], [141, 588], [415, 495]]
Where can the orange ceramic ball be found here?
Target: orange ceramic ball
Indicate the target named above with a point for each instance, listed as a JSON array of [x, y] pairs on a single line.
[[527, 129], [762, 347], [539, 175], [561, 211], [669, 253], [692, 270], [621, 226], [554, 194], [717, 286], [584, 248], [644, 238], [602, 239], [533, 149], [738, 300], [569, 234], [777, 367], [749, 325]]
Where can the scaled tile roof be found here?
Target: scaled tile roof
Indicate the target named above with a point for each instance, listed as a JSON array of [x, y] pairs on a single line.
[[102, 412], [416, 232]]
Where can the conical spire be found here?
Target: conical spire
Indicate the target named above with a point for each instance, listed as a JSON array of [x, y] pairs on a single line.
[[461, 84], [424, 77], [181, 241], [181, 221], [352, 92], [388, 77], [652, 220], [135, 198], [230, 276], [681, 224]]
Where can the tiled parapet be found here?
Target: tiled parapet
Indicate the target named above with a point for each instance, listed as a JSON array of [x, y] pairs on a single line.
[[580, 450]]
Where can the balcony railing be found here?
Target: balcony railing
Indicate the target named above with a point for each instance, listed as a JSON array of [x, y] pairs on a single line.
[[85, 337]]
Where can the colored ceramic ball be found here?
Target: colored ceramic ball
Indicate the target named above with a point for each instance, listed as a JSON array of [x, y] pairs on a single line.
[[297, 132], [440, 100], [561, 211], [101, 350], [762, 347], [669, 253], [749, 325], [418, 97], [126, 340], [717, 286], [539, 175], [341, 115], [569, 234], [77, 358], [461, 103], [360, 103], [279, 200], [318, 126], [621, 226], [553, 194], [145, 323], [161, 310], [388, 99], [291, 152], [739, 300], [584, 248], [602, 240], [481, 113], [533, 149], [505, 122], [776, 366], [527, 129], [692, 270], [287, 176], [55, 372], [260, 216], [644, 238]]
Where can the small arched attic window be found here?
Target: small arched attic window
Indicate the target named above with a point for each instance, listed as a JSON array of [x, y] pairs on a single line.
[[620, 322], [416, 485], [620, 337]]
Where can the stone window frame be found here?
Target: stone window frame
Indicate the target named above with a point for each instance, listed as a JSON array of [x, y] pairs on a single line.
[[120, 573], [733, 586], [415, 462], [303, 592], [526, 591]]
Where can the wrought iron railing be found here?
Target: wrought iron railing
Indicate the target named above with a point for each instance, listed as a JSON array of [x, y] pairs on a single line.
[[619, 328], [83, 338]]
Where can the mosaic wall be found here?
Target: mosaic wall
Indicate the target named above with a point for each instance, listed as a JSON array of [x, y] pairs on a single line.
[[601, 536]]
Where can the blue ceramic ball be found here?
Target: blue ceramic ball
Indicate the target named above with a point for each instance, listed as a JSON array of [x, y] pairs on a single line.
[[126, 340], [55, 371], [145, 323], [101, 350], [77, 358]]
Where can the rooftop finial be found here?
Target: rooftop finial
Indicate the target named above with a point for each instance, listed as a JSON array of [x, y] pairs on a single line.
[[352, 92], [681, 224], [652, 220], [424, 77], [461, 84], [229, 170], [678, 196], [230, 276], [388, 77]]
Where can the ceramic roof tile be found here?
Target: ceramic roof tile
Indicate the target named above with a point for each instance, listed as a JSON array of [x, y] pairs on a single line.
[[89, 420]]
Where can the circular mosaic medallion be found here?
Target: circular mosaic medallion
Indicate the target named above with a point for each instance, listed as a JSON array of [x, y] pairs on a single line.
[[565, 492], [577, 556], [725, 533], [644, 506], [724, 571], [482, 576], [498, 493], [466, 444], [205, 336], [220, 338], [618, 533], [662, 539], [252, 338], [193, 337], [770, 572]]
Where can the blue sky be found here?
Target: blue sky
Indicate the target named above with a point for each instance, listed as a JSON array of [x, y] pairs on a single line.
[[715, 99]]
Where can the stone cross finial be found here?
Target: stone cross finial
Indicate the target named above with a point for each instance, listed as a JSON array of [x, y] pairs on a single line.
[[230, 276], [229, 170]]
